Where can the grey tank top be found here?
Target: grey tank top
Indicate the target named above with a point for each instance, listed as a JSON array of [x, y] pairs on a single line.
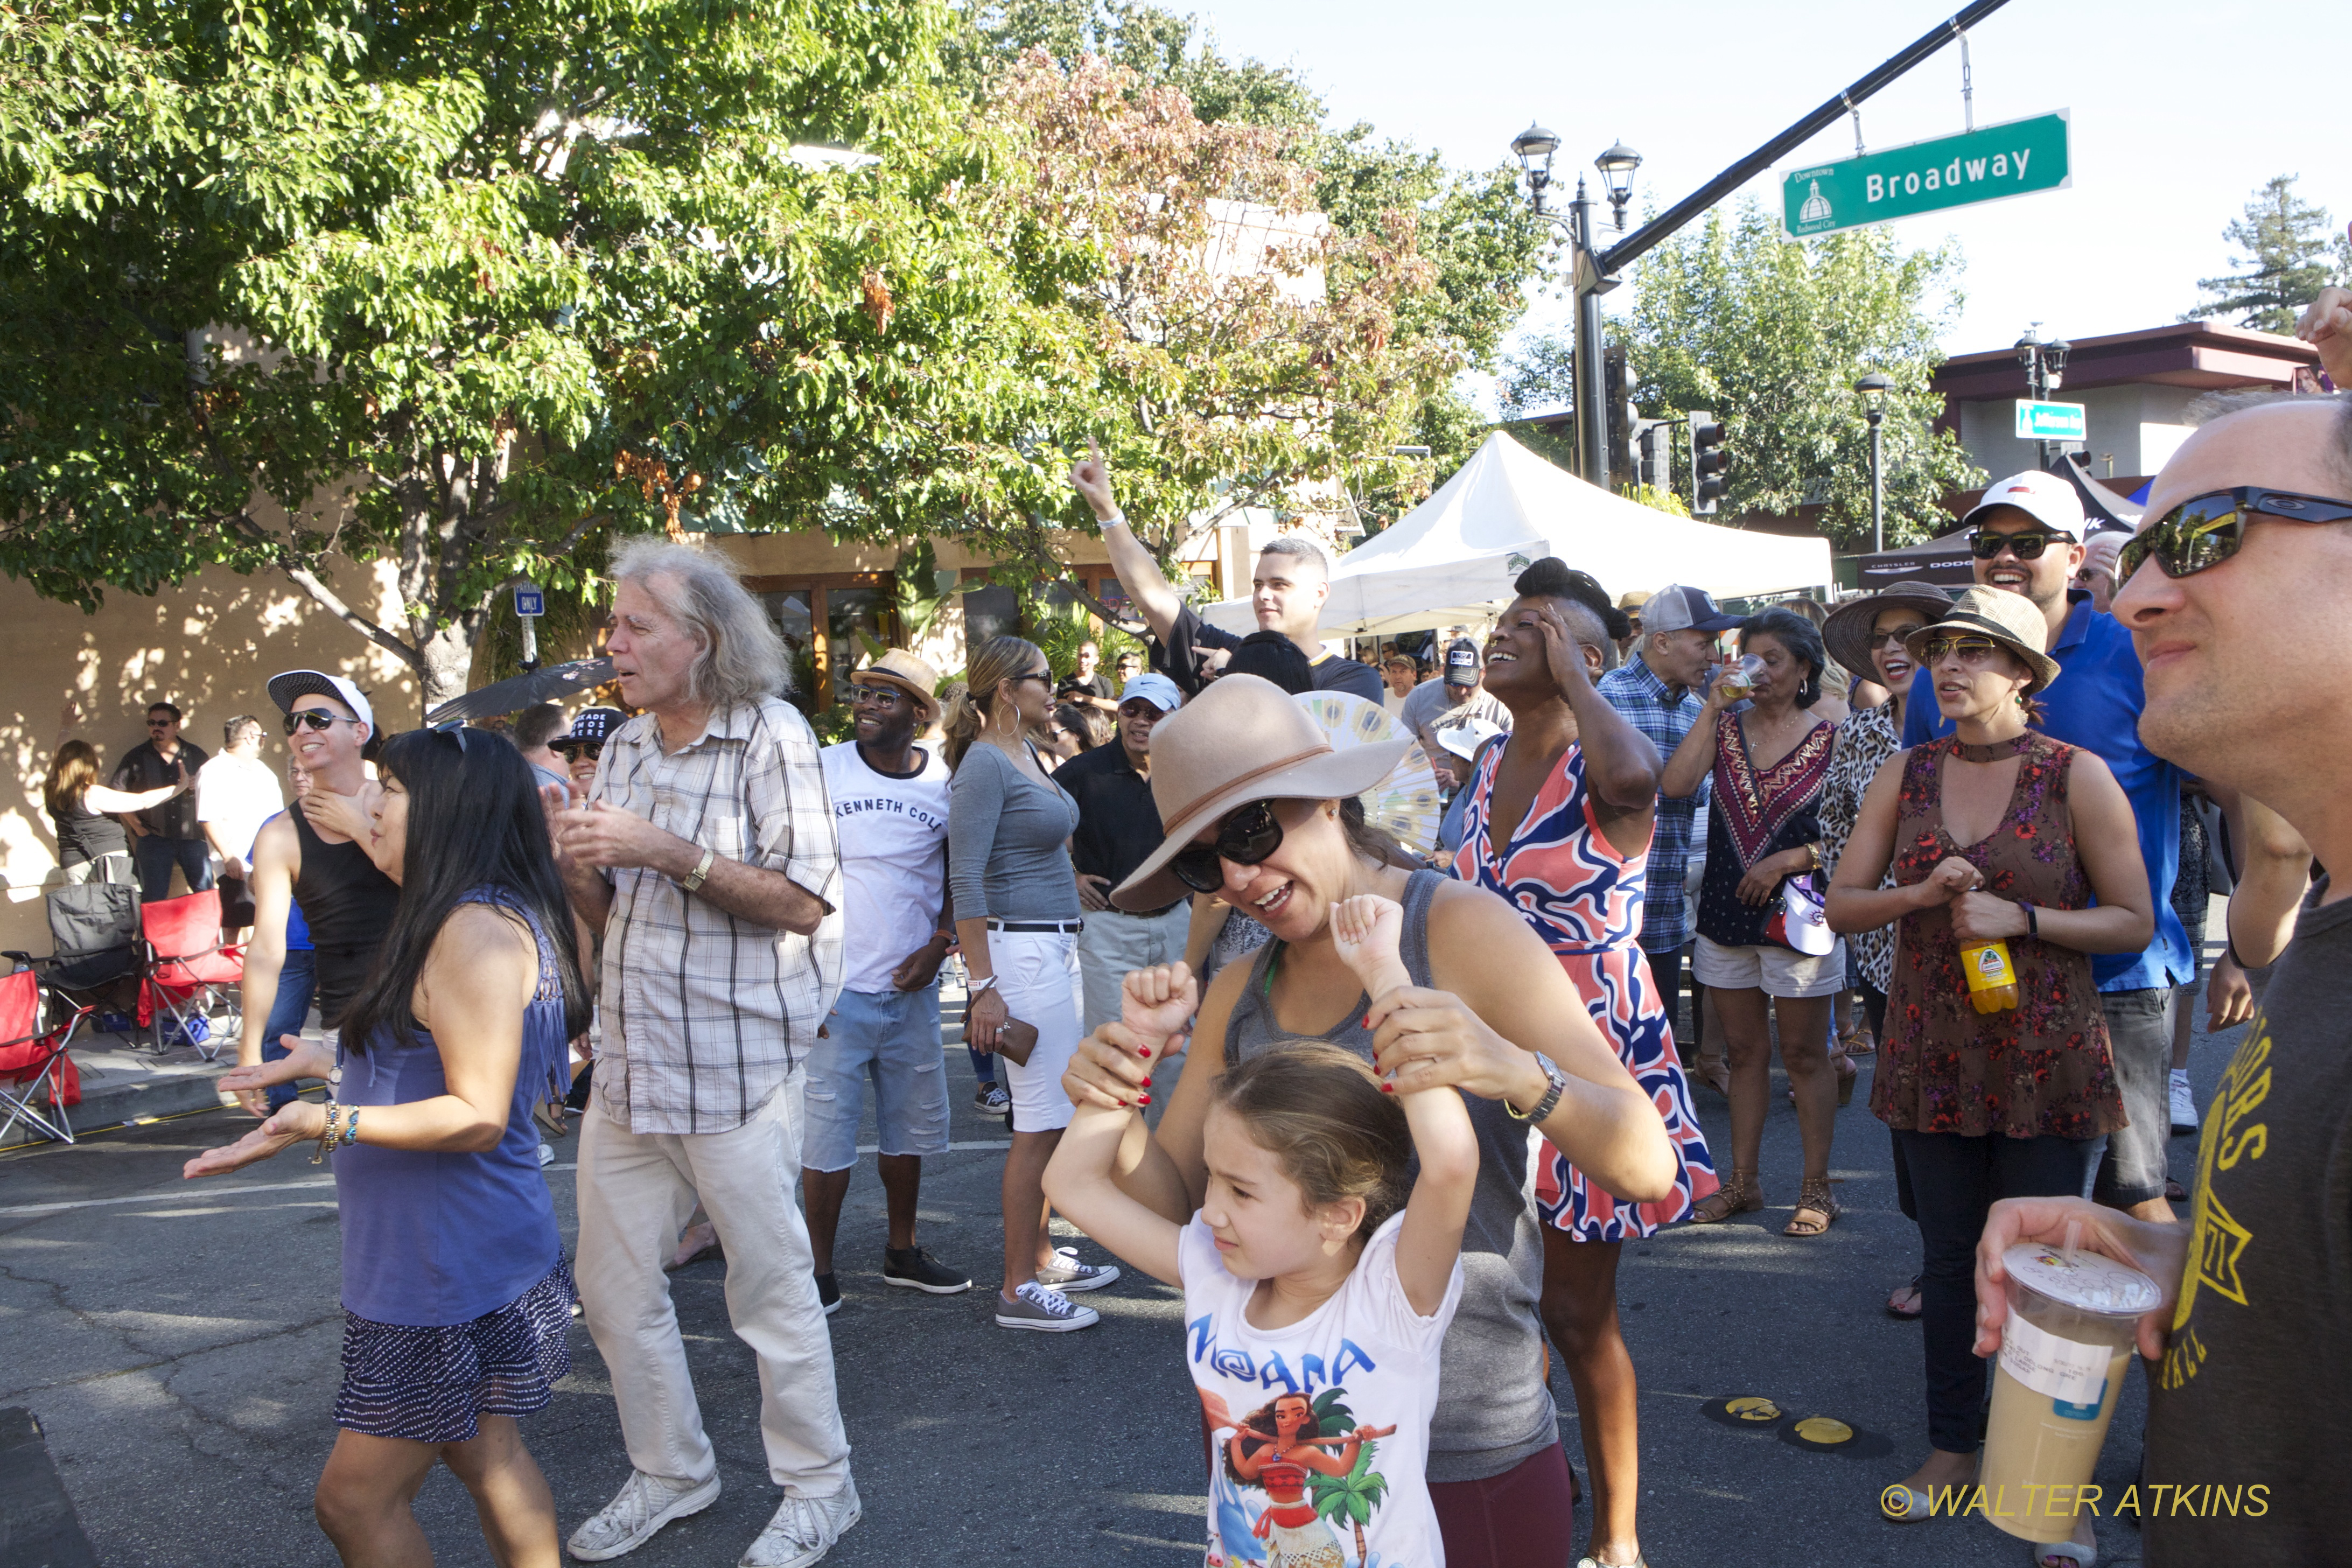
[[1492, 1408]]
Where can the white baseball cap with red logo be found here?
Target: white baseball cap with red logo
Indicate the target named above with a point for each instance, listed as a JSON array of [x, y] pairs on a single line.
[[2050, 499]]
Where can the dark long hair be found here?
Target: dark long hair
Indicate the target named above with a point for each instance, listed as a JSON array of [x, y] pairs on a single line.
[[1800, 637], [474, 821]]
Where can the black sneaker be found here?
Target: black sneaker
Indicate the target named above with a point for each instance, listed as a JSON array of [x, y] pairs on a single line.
[[990, 1100], [828, 1294], [918, 1270]]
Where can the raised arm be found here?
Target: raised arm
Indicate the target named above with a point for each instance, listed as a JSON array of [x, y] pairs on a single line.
[[1147, 588], [120, 802], [1693, 760], [1621, 764], [2273, 875]]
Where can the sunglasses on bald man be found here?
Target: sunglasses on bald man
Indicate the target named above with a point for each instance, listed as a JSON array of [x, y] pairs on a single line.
[[2205, 531]]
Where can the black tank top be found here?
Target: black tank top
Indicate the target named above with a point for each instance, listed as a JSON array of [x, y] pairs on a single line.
[[85, 835], [348, 904]]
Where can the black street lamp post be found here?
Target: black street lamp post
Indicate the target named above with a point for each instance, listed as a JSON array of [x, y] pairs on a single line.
[[2045, 372], [1533, 148], [1874, 388]]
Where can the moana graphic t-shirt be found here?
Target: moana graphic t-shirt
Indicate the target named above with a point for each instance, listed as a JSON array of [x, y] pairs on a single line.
[[2250, 1416], [1321, 1430]]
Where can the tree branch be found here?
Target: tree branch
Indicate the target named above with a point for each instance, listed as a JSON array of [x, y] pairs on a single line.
[[327, 599]]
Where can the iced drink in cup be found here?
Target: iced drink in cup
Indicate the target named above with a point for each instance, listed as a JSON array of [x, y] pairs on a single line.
[[2074, 1316]]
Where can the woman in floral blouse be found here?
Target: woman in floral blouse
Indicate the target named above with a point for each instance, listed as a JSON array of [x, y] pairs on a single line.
[[1995, 832]]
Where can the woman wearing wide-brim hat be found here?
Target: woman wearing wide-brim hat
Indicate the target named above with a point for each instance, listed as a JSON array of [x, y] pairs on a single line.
[[1253, 797], [1994, 833]]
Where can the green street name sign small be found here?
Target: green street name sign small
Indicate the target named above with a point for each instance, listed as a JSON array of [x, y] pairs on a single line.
[[1990, 164], [2052, 421]]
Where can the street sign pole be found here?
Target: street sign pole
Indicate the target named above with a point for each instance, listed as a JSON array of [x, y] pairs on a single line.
[[529, 604]]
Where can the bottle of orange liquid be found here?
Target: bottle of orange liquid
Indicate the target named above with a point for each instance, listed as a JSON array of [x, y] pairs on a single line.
[[1992, 978]]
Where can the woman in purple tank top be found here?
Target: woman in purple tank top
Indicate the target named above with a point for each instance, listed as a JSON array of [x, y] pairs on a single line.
[[457, 1298]]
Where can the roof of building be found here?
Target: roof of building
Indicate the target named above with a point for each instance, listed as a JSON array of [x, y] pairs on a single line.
[[2180, 353]]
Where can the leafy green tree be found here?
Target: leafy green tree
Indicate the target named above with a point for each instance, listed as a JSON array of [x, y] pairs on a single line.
[[1770, 335], [471, 287], [2288, 258]]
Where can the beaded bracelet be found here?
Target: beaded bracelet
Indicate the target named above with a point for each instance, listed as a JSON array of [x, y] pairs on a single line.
[[352, 1127], [327, 1139]]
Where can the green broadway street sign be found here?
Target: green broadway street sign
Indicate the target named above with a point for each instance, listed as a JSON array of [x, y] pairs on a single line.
[[1986, 165], [2052, 421]]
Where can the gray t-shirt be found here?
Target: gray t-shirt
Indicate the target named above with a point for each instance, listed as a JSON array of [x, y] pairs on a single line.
[[1493, 1408], [1432, 706], [1007, 842]]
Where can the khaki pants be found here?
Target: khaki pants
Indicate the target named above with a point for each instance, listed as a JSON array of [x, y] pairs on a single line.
[[636, 1193]]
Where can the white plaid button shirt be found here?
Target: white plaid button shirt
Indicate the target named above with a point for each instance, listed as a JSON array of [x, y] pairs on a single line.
[[705, 1014]]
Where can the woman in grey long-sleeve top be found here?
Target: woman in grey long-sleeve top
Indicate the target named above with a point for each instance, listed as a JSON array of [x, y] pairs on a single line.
[[1016, 904]]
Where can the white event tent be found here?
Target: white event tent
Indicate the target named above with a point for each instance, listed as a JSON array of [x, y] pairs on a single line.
[[1452, 558]]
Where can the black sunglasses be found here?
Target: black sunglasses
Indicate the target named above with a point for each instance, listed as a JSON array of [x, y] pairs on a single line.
[[316, 718], [2207, 529], [1245, 837], [1984, 544], [591, 750]]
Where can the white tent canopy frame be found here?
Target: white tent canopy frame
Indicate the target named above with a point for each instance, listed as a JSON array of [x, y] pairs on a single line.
[[1451, 560]]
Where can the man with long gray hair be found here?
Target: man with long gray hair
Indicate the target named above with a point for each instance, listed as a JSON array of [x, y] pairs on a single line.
[[706, 855]]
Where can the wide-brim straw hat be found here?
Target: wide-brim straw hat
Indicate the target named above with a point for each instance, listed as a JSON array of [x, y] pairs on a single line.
[[1847, 631], [913, 676], [2009, 619], [1243, 739]]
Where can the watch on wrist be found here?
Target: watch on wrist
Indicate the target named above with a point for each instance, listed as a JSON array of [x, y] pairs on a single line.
[[1555, 1085], [701, 869]]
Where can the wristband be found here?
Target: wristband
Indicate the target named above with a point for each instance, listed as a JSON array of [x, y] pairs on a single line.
[[701, 869], [1116, 520], [2032, 925], [351, 1128], [327, 1139], [977, 986]]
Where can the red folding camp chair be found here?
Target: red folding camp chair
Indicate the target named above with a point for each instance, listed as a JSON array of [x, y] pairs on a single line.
[[184, 972], [33, 1059]]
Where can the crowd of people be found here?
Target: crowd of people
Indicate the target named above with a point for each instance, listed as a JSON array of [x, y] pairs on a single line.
[[1387, 1111]]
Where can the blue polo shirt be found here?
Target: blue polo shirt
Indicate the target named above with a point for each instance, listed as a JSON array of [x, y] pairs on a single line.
[[2095, 704]]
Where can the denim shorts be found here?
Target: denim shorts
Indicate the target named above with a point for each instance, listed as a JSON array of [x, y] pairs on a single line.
[[893, 1038]]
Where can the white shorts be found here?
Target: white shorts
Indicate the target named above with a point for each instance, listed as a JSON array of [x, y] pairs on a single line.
[[1037, 972], [1775, 971]]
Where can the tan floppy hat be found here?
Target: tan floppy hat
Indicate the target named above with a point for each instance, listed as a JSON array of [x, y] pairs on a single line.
[[2009, 619], [1243, 739], [1847, 630], [903, 669]]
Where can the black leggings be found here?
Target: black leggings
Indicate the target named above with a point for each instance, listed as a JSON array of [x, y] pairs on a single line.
[[1954, 1182]]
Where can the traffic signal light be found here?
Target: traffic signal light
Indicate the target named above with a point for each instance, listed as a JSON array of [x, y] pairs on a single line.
[[1708, 460], [1653, 450], [1615, 376]]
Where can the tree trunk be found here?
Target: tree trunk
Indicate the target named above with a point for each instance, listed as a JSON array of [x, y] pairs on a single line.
[[445, 663]]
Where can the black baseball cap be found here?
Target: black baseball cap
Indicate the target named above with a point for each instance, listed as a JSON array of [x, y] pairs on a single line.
[[1462, 662]]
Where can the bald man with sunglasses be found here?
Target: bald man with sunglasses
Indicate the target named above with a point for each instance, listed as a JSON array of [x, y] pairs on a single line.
[[2236, 591], [2028, 539]]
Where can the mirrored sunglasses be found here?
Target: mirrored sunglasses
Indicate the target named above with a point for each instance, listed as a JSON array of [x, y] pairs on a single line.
[[2205, 531]]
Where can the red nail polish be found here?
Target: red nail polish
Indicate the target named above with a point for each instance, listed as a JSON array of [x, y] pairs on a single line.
[[1147, 1083], [1143, 1099], [1144, 1051], [1388, 1089]]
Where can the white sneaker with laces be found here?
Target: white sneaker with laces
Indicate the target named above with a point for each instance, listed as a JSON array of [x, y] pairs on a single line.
[[805, 1528], [2184, 1102], [1068, 1274], [643, 1505], [1048, 1312]]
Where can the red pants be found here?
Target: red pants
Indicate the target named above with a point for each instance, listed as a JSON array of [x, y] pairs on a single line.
[[1524, 1518]]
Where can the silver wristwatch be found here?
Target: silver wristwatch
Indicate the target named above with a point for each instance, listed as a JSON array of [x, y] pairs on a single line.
[[1556, 1085]]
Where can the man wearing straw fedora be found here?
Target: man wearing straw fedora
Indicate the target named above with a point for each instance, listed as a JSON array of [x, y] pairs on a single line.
[[890, 811]]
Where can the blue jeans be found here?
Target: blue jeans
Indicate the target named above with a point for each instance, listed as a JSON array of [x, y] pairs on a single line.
[[891, 1039], [295, 982], [156, 857]]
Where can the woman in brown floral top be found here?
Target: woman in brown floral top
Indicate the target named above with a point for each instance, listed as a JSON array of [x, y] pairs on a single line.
[[1993, 833]]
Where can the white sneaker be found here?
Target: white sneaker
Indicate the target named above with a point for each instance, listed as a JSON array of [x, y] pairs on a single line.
[[1068, 1273], [804, 1529], [2184, 1102], [1048, 1312], [643, 1505]]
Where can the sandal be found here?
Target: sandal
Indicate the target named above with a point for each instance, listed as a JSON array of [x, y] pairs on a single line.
[[1813, 1197], [1737, 1196], [1911, 1313], [1847, 1072]]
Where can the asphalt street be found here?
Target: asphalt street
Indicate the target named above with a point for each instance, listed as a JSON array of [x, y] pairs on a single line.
[[179, 1341]]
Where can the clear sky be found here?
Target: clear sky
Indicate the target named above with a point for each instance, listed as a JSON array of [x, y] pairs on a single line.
[[2179, 112]]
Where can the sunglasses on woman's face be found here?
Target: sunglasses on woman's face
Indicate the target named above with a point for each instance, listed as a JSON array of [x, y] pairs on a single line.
[[1984, 544], [2207, 529], [316, 718], [590, 750], [1969, 648], [1245, 837]]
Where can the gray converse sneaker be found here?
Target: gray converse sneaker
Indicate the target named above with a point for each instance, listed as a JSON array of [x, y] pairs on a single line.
[[1068, 1274], [643, 1504], [804, 1529], [2184, 1102], [1048, 1312]]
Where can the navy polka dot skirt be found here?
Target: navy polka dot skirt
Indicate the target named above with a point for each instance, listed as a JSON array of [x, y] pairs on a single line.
[[433, 1384]]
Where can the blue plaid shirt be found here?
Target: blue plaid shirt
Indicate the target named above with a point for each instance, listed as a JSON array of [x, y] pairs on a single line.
[[1651, 705]]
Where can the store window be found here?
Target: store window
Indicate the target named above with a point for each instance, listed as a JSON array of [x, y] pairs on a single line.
[[825, 623]]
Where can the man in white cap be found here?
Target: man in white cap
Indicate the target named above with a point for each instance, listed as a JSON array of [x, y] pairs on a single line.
[[1118, 827], [302, 856], [2029, 540], [1447, 700]]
